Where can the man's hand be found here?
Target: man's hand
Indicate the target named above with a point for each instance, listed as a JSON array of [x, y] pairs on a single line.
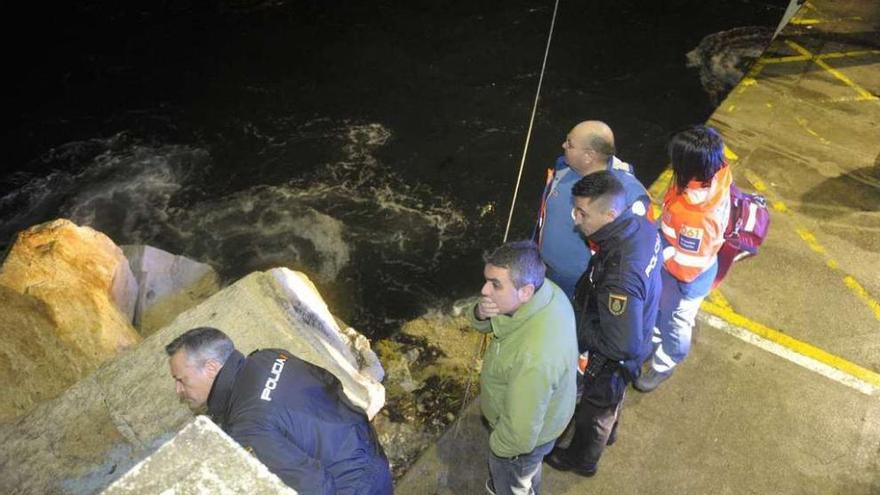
[[486, 309]]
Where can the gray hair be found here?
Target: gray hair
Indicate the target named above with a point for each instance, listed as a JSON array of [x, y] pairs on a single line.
[[601, 145], [523, 261], [202, 344]]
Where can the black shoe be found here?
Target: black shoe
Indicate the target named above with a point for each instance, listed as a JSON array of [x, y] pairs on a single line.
[[561, 461]]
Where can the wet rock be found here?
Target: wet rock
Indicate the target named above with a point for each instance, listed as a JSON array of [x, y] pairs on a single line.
[[98, 429], [182, 466], [724, 58], [167, 285], [66, 307], [432, 367]]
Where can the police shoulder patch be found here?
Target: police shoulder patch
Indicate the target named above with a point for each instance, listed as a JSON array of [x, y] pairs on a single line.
[[616, 303]]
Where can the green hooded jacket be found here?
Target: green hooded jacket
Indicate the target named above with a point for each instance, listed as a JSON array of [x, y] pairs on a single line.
[[527, 383]]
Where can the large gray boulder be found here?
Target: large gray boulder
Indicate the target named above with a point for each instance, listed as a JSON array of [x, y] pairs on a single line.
[[167, 285], [200, 460], [83, 440]]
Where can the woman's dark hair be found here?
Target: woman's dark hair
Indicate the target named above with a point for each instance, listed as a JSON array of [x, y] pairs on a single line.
[[696, 153]]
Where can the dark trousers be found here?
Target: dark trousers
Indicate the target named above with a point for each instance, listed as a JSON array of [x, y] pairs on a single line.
[[594, 425]]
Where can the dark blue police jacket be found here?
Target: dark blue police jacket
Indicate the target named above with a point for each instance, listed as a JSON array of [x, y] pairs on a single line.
[[617, 297], [293, 417]]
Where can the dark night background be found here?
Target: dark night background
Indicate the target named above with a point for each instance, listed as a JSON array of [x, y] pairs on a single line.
[[373, 145]]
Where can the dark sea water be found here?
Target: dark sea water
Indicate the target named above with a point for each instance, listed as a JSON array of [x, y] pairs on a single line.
[[373, 145]]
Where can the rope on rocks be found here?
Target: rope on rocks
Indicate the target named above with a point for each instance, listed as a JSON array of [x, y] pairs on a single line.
[[484, 342]]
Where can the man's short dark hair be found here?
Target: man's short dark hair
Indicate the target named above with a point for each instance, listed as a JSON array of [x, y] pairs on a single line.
[[696, 153], [523, 261], [601, 185], [202, 344]]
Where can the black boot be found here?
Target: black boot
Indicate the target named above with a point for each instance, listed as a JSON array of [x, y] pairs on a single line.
[[562, 460]]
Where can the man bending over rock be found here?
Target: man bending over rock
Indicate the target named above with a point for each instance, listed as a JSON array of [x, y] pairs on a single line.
[[287, 412]]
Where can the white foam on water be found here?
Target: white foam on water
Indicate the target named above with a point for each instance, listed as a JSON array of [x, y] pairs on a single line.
[[114, 185], [261, 228], [139, 193], [128, 194]]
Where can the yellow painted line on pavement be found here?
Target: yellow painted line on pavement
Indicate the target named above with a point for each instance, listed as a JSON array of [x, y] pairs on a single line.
[[813, 243], [718, 299], [862, 92], [862, 294], [854, 53], [813, 22], [797, 346], [787, 59], [780, 207], [845, 99], [792, 343], [817, 59], [810, 239], [755, 181], [804, 123]]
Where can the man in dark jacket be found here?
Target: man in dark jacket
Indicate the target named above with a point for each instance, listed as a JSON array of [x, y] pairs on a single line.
[[289, 413], [615, 305]]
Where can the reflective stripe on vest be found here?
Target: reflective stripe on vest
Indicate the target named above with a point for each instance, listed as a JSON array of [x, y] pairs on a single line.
[[695, 231], [553, 179]]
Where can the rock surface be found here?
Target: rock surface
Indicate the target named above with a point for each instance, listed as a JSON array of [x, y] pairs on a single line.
[[167, 285], [723, 58], [182, 466], [67, 300], [432, 367], [83, 440]]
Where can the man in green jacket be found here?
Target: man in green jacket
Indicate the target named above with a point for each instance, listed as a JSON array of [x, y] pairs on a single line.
[[527, 382]]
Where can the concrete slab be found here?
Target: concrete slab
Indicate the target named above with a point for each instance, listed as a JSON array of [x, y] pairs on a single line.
[[181, 466]]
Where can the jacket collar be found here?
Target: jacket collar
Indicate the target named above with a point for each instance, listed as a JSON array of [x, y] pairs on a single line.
[[504, 325], [620, 227], [221, 391], [698, 196]]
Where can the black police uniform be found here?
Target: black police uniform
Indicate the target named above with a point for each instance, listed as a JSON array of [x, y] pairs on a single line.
[[293, 417], [616, 307]]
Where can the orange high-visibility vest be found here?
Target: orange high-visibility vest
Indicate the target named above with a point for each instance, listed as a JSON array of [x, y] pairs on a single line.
[[693, 223]]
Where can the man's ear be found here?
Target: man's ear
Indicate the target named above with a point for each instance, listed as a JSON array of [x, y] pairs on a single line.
[[526, 292], [612, 213], [212, 367]]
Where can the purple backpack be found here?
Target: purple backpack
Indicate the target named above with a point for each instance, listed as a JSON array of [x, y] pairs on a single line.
[[746, 229]]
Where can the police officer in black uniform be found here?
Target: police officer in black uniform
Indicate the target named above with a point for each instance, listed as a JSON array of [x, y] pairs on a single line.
[[291, 414], [616, 305]]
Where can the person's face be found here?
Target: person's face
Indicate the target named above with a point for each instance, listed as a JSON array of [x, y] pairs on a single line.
[[192, 382], [578, 156], [500, 290], [590, 215]]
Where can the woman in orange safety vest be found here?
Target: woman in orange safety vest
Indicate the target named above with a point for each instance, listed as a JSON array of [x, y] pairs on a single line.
[[695, 213]]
